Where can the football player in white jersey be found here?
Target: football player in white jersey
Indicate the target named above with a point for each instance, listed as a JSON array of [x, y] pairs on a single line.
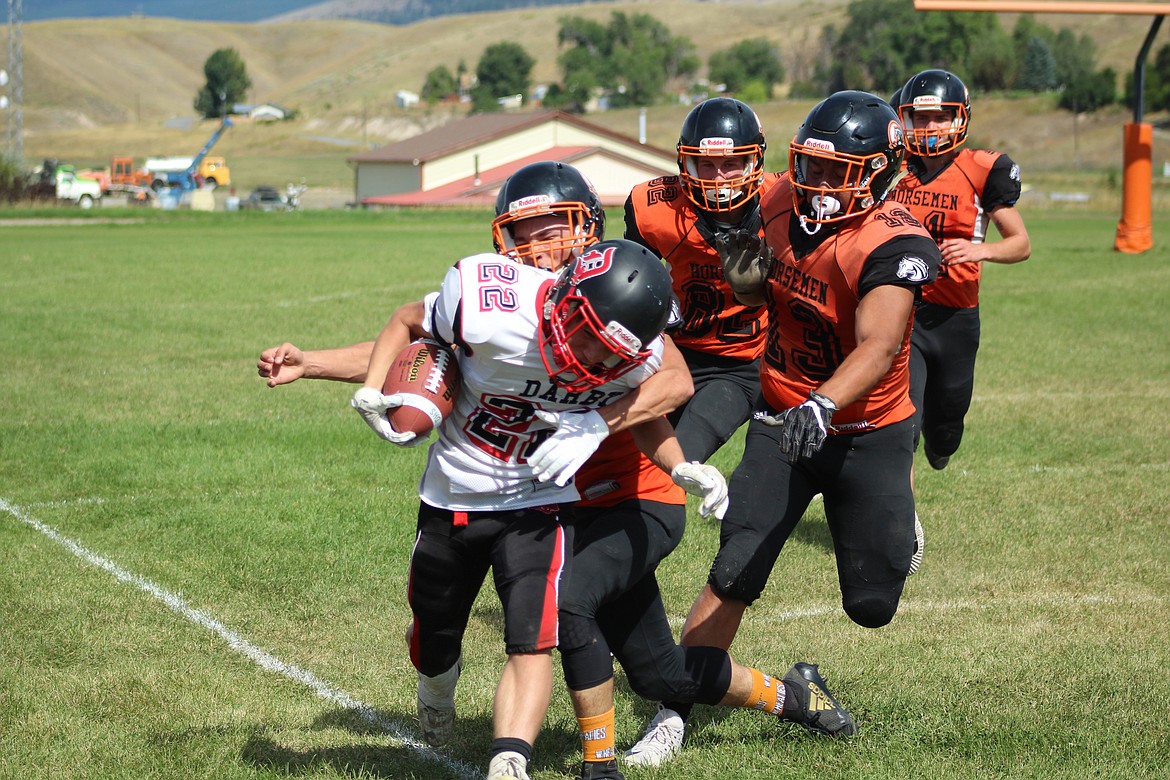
[[549, 369]]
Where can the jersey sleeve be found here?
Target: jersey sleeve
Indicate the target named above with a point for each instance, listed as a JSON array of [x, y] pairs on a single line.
[[905, 261], [632, 232], [441, 318], [1003, 184]]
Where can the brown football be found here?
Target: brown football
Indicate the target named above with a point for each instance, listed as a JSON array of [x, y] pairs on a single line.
[[426, 375]]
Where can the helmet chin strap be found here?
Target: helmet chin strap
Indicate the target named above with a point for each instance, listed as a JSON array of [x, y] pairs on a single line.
[[804, 226], [825, 206]]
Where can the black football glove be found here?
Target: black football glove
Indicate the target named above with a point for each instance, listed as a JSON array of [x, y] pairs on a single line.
[[805, 427], [746, 259]]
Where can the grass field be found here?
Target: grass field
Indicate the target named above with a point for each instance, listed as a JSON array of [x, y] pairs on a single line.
[[205, 578]]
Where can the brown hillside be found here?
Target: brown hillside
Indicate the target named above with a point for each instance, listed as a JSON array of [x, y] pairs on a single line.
[[146, 70], [123, 78]]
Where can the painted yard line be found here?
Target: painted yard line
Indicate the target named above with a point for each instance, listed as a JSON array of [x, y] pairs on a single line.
[[927, 607], [63, 503], [261, 657], [764, 616]]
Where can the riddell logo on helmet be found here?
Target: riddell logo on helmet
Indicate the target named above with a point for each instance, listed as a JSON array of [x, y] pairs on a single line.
[[928, 103], [817, 143], [621, 338], [595, 262], [530, 202], [717, 146]]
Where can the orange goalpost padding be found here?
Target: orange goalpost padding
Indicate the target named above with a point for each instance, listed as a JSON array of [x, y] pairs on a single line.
[[1135, 230]]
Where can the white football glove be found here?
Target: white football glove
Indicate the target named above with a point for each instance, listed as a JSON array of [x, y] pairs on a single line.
[[707, 483], [372, 406], [578, 436]]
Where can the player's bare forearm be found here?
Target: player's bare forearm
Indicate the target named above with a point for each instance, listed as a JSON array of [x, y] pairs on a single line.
[[405, 325], [668, 389], [1015, 246], [341, 364], [656, 439]]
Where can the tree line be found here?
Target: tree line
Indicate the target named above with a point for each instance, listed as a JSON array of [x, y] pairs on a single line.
[[636, 60]]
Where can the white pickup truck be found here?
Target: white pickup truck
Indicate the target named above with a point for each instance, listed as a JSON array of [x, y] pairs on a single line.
[[84, 192]]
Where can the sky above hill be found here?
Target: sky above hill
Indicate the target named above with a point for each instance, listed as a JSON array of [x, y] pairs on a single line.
[[207, 10]]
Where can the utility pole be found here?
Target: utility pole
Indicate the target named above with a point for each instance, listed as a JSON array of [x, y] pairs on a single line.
[[16, 79]]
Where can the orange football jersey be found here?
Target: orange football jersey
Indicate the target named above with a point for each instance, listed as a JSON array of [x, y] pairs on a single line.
[[816, 296], [610, 476], [954, 203], [658, 213]]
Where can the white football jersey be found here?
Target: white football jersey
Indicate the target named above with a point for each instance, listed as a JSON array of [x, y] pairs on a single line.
[[491, 306]]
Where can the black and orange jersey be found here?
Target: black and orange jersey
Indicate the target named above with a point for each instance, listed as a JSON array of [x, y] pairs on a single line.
[[813, 291], [661, 217], [610, 476], [954, 203]]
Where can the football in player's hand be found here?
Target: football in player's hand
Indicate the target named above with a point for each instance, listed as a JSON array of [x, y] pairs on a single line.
[[426, 376]]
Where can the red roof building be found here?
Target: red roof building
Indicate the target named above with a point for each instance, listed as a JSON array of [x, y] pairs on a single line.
[[465, 162]]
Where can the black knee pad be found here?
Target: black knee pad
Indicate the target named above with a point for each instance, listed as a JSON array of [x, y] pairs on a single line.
[[438, 652], [870, 610], [585, 655], [741, 569]]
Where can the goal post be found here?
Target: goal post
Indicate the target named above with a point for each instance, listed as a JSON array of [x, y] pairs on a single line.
[[1135, 230]]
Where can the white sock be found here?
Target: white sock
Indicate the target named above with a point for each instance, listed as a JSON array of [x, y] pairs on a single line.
[[440, 689]]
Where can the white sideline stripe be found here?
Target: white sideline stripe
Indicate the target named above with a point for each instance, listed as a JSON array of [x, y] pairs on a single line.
[[261, 657], [1054, 599], [761, 616]]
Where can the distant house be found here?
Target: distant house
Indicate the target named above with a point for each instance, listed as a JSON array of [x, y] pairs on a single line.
[[260, 112], [465, 162], [406, 99]]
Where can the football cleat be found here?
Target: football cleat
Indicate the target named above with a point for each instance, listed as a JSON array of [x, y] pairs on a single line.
[[816, 709], [661, 742], [937, 462], [508, 765], [601, 770], [919, 546], [436, 708]]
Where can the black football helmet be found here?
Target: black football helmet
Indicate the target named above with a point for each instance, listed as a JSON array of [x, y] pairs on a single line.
[[547, 188], [845, 158], [721, 127], [617, 291], [934, 90]]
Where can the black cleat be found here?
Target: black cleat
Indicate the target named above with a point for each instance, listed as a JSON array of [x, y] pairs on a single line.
[[816, 709], [937, 462], [601, 770]]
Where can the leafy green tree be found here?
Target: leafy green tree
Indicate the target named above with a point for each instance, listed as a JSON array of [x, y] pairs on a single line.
[[1158, 81], [227, 83], [439, 84], [1157, 84], [993, 64], [633, 58], [751, 60], [1038, 68], [504, 69], [885, 42], [1090, 91]]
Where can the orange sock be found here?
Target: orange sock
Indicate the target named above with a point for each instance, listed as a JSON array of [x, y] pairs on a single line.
[[767, 693], [597, 739]]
